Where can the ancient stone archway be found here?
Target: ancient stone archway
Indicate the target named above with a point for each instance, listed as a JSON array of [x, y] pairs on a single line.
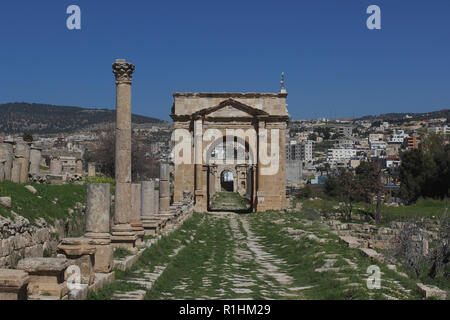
[[227, 182], [251, 125]]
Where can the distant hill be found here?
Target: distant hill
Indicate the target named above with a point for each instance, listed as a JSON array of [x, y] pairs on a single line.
[[16, 118], [394, 117]]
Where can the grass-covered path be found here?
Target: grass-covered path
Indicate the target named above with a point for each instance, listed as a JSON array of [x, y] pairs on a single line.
[[254, 256]]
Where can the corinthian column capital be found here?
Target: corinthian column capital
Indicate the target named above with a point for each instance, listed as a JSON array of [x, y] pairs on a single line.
[[123, 71]]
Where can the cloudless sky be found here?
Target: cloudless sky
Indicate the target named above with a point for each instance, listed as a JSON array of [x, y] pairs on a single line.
[[334, 65]]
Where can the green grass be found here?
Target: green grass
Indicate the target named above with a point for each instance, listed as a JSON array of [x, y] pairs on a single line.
[[228, 201], [207, 262], [303, 257], [157, 254], [423, 208], [102, 179], [50, 202]]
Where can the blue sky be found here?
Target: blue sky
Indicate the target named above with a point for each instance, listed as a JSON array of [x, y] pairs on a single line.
[[334, 65]]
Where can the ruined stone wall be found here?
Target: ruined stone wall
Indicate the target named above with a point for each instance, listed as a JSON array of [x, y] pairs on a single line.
[[18, 240]]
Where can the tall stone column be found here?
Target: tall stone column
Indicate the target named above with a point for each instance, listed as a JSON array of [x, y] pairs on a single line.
[[198, 160], [262, 138], [147, 203], [6, 153], [79, 166], [123, 235], [164, 188], [136, 223], [55, 167], [98, 208], [91, 169], [156, 202], [23, 156], [35, 160], [2, 169], [15, 171]]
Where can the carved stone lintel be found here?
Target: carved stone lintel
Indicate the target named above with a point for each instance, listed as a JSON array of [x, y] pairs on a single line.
[[123, 71]]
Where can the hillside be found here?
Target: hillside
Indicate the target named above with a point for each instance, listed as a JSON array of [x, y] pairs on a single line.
[[399, 117], [43, 118]]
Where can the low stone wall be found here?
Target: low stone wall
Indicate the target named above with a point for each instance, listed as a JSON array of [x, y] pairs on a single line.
[[20, 239]]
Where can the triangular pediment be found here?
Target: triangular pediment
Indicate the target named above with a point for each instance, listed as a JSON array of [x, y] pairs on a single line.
[[230, 108]]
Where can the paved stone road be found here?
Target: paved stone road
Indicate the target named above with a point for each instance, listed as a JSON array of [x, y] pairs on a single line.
[[223, 258]]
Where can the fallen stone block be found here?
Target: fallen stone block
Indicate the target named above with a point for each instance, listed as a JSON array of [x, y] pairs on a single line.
[[351, 242], [5, 202], [46, 275], [13, 284], [372, 254], [31, 189], [80, 252], [429, 291]]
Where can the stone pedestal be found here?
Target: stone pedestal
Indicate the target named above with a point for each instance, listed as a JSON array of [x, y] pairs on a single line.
[[13, 284], [46, 275], [35, 160], [98, 207], [136, 223], [164, 188], [81, 253], [122, 232]]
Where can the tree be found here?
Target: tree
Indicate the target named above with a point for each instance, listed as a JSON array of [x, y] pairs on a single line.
[[305, 192], [369, 175], [27, 137], [143, 167], [426, 172], [349, 187]]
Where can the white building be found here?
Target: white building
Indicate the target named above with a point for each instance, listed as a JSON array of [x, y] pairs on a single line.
[[398, 136], [339, 155]]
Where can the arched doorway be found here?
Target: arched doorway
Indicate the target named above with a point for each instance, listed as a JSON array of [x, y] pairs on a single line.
[[227, 181]]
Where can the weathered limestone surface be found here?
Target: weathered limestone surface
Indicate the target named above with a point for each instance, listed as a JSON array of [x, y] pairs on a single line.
[[98, 207], [164, 188], [122, 233], [15, 171], [55, 167], [91, 170], [80, 252], [13, 284], [6, 153], [35, 160], [429, 291], [136, 222], [19, 239], [156, 209], [46, 275], [2, 169], [5, 202], [22, 154], [79, 166], [265, 114]]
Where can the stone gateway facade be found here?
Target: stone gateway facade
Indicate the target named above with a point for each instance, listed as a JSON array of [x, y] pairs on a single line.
[[232, 141]]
